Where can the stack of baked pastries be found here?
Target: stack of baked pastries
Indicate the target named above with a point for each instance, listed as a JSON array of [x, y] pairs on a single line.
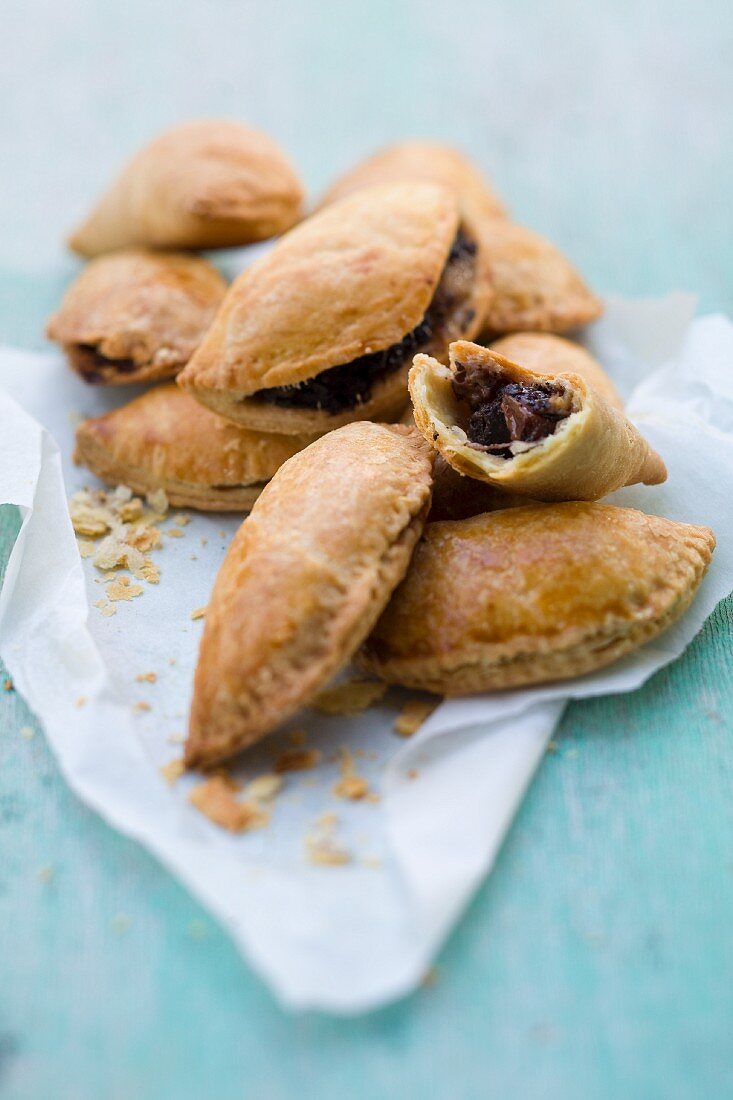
[[390, 392]]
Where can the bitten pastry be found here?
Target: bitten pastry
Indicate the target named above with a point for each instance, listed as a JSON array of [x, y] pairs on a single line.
[[423, 160], [322, 330], [547, 354], [137, 315], [534, 594], [304, 581], [534, 287], [551, 437], [210, 183], [166, 440]]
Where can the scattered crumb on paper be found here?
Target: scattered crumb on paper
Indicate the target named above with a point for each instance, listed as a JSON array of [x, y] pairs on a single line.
[[216, 799]]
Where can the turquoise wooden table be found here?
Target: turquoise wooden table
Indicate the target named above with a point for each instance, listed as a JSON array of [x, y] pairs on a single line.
[[597, 961]]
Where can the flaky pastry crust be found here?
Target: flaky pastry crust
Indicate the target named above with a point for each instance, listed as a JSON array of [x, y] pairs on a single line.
[[136, 315], [534, 594], [593, 452], [209, 183], [304, 581], [166, 440], [533, 286], [545, 353], [351, 280]]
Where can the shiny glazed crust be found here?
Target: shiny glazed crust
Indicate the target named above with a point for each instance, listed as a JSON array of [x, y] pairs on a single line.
[[210, 183], [149, 309], [534, 594], [593, 452], [547, 354], [352, 279], [166, 440], [304, 581], [534, 287]]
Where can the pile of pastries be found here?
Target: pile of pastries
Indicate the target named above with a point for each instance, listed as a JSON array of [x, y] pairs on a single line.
[[387, 393]]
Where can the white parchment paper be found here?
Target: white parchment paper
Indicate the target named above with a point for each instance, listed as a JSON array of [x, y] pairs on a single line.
[[343, 939]]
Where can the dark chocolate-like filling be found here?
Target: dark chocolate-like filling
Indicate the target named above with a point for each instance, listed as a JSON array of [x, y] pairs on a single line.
[[503, 412], [93, 366], [351, 384]]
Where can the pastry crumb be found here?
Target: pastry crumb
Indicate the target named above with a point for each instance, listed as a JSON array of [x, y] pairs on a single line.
[[353, 787], [7, 684], [215, 799], [372, 861], [158, 501], [264, 787], [122, 588], [412, 715], [175, 738], [86, 548], [552, 746], [181, 519], [174, 533], [296, 760], [81, 701], [199, 612], [351, 697], [321, 845], [148, 571], [146, 677], [27, 732], [413, 773], [141, 706], [173, 770]]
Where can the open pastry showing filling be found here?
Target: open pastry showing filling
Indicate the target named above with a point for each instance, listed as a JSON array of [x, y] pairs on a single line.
[[322, 330], [136, 315], [449, 314], [548, 436]]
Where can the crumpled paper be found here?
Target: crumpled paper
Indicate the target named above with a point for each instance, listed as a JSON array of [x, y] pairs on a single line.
[[349, 938]]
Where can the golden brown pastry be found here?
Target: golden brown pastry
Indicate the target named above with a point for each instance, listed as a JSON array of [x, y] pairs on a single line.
[[534, 287], [547, 354], [166, 440], [137, 315], [534, 594], [551, 437], [429, 161], [322, 330], [304, 581], [204, 184]]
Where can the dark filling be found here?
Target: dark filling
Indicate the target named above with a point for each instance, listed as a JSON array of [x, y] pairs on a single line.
[[503, 412], [351, 384], [93, 366]]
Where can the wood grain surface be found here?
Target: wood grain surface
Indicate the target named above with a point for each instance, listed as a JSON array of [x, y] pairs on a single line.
[[597, 961]]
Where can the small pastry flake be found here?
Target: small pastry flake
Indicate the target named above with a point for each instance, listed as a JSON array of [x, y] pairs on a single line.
[[304, 581], [321, 331], [550, 437], [534, 594], [166, 440], [211, 183], [429, 161], [137, 315], [547, 354], [534, 287]]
